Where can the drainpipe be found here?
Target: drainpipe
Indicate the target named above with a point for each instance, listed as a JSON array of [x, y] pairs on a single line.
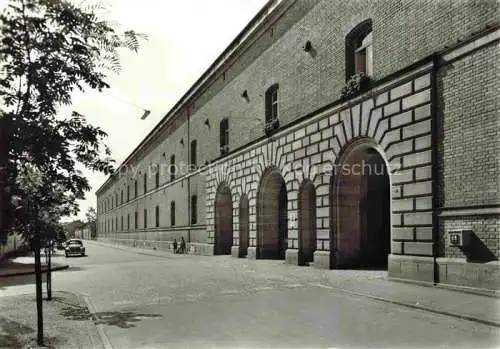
[[435, 134], [189, 177]]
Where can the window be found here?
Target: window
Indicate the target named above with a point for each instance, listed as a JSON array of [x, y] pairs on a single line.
[[145, 218], [359, 50], [272, 109], [224, 136], [145, 179], [194, 209], [121, 223], [157, 216], [116, 199], [172, 167], [172, 213], [112, 225], [193, 153], [128, 221], [136, 220], [157, 176], [128, 192], [121, 199], [135, 188], [111, 202], [116, 223]]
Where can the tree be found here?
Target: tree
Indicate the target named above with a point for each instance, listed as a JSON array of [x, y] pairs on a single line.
[[49, 49], [90, 218]]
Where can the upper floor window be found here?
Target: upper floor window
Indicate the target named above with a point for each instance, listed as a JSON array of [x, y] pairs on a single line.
[[135, 188], [194, 209], [128, 221], [145, 219], [224, 136], [157, 216], [172, 213], [145, 179], [136, 220], [359, 50], [128, 192], [172, 167], [272, 109], [157, 176], [121, 197], [193, 153]]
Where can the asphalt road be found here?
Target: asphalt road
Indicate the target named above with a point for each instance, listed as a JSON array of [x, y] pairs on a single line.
[[175, 301]]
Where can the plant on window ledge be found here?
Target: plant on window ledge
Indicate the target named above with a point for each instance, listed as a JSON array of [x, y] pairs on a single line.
[[272, 126], [358, 83]]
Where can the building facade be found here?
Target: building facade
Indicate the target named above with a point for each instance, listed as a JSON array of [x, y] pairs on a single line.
[[332, 133]]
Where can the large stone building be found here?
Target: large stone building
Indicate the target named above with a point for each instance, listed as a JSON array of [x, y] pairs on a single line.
[[271, 161]]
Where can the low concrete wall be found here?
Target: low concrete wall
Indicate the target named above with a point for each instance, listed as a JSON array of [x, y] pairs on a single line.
[[458, 272], [167, 246], [411, 267], [15, 244]]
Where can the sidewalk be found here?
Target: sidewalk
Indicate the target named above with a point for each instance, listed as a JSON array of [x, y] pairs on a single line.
[[68, 323], [457, 303], [26, 265]]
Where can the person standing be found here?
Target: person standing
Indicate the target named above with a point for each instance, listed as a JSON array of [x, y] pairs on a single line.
[[183, 245], [175, 245]]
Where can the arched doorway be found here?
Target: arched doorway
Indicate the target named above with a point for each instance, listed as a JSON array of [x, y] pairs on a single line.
[[307, 223], [223, 220], [272, 219], [363, 209], [244, 227]]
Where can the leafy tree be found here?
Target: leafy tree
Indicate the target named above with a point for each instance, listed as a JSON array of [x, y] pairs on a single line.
[[49, 49], [91, 218], [38, 204], [71, 227]]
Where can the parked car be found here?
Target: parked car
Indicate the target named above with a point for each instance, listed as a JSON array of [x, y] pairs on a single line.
[[74, 247]]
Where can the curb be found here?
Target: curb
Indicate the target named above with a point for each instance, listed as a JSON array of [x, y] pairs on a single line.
[[100, 330], [138, 250], [55, 268], [413, 306], [457, 288]]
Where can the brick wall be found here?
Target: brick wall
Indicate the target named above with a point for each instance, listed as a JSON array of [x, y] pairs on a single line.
[[307, 83], [471, 128], [470, 158]]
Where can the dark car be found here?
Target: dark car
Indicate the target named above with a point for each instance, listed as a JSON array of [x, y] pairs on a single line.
[[74, 247]]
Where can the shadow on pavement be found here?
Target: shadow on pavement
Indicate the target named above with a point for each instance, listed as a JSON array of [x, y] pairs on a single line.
[[19, 280], [72, 268], [122, 319], [15, 335]]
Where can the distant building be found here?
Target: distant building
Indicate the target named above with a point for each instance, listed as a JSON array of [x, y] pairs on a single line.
[[83, 233], [264, 157]]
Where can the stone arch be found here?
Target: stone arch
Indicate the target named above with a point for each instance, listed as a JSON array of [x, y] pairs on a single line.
[[244, 225], [361, 206], [272, 218], [307, 222], [223, 238]]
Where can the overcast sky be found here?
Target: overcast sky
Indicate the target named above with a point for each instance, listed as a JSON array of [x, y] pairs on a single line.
[[185, 37]]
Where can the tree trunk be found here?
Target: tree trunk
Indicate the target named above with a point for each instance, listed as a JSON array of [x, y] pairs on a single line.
[[38, 278], [5, 123], [49, 273]]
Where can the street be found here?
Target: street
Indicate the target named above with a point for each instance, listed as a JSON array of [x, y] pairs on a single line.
[[159, 300]]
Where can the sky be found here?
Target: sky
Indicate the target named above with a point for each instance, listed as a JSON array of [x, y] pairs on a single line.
[[185, 37]]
